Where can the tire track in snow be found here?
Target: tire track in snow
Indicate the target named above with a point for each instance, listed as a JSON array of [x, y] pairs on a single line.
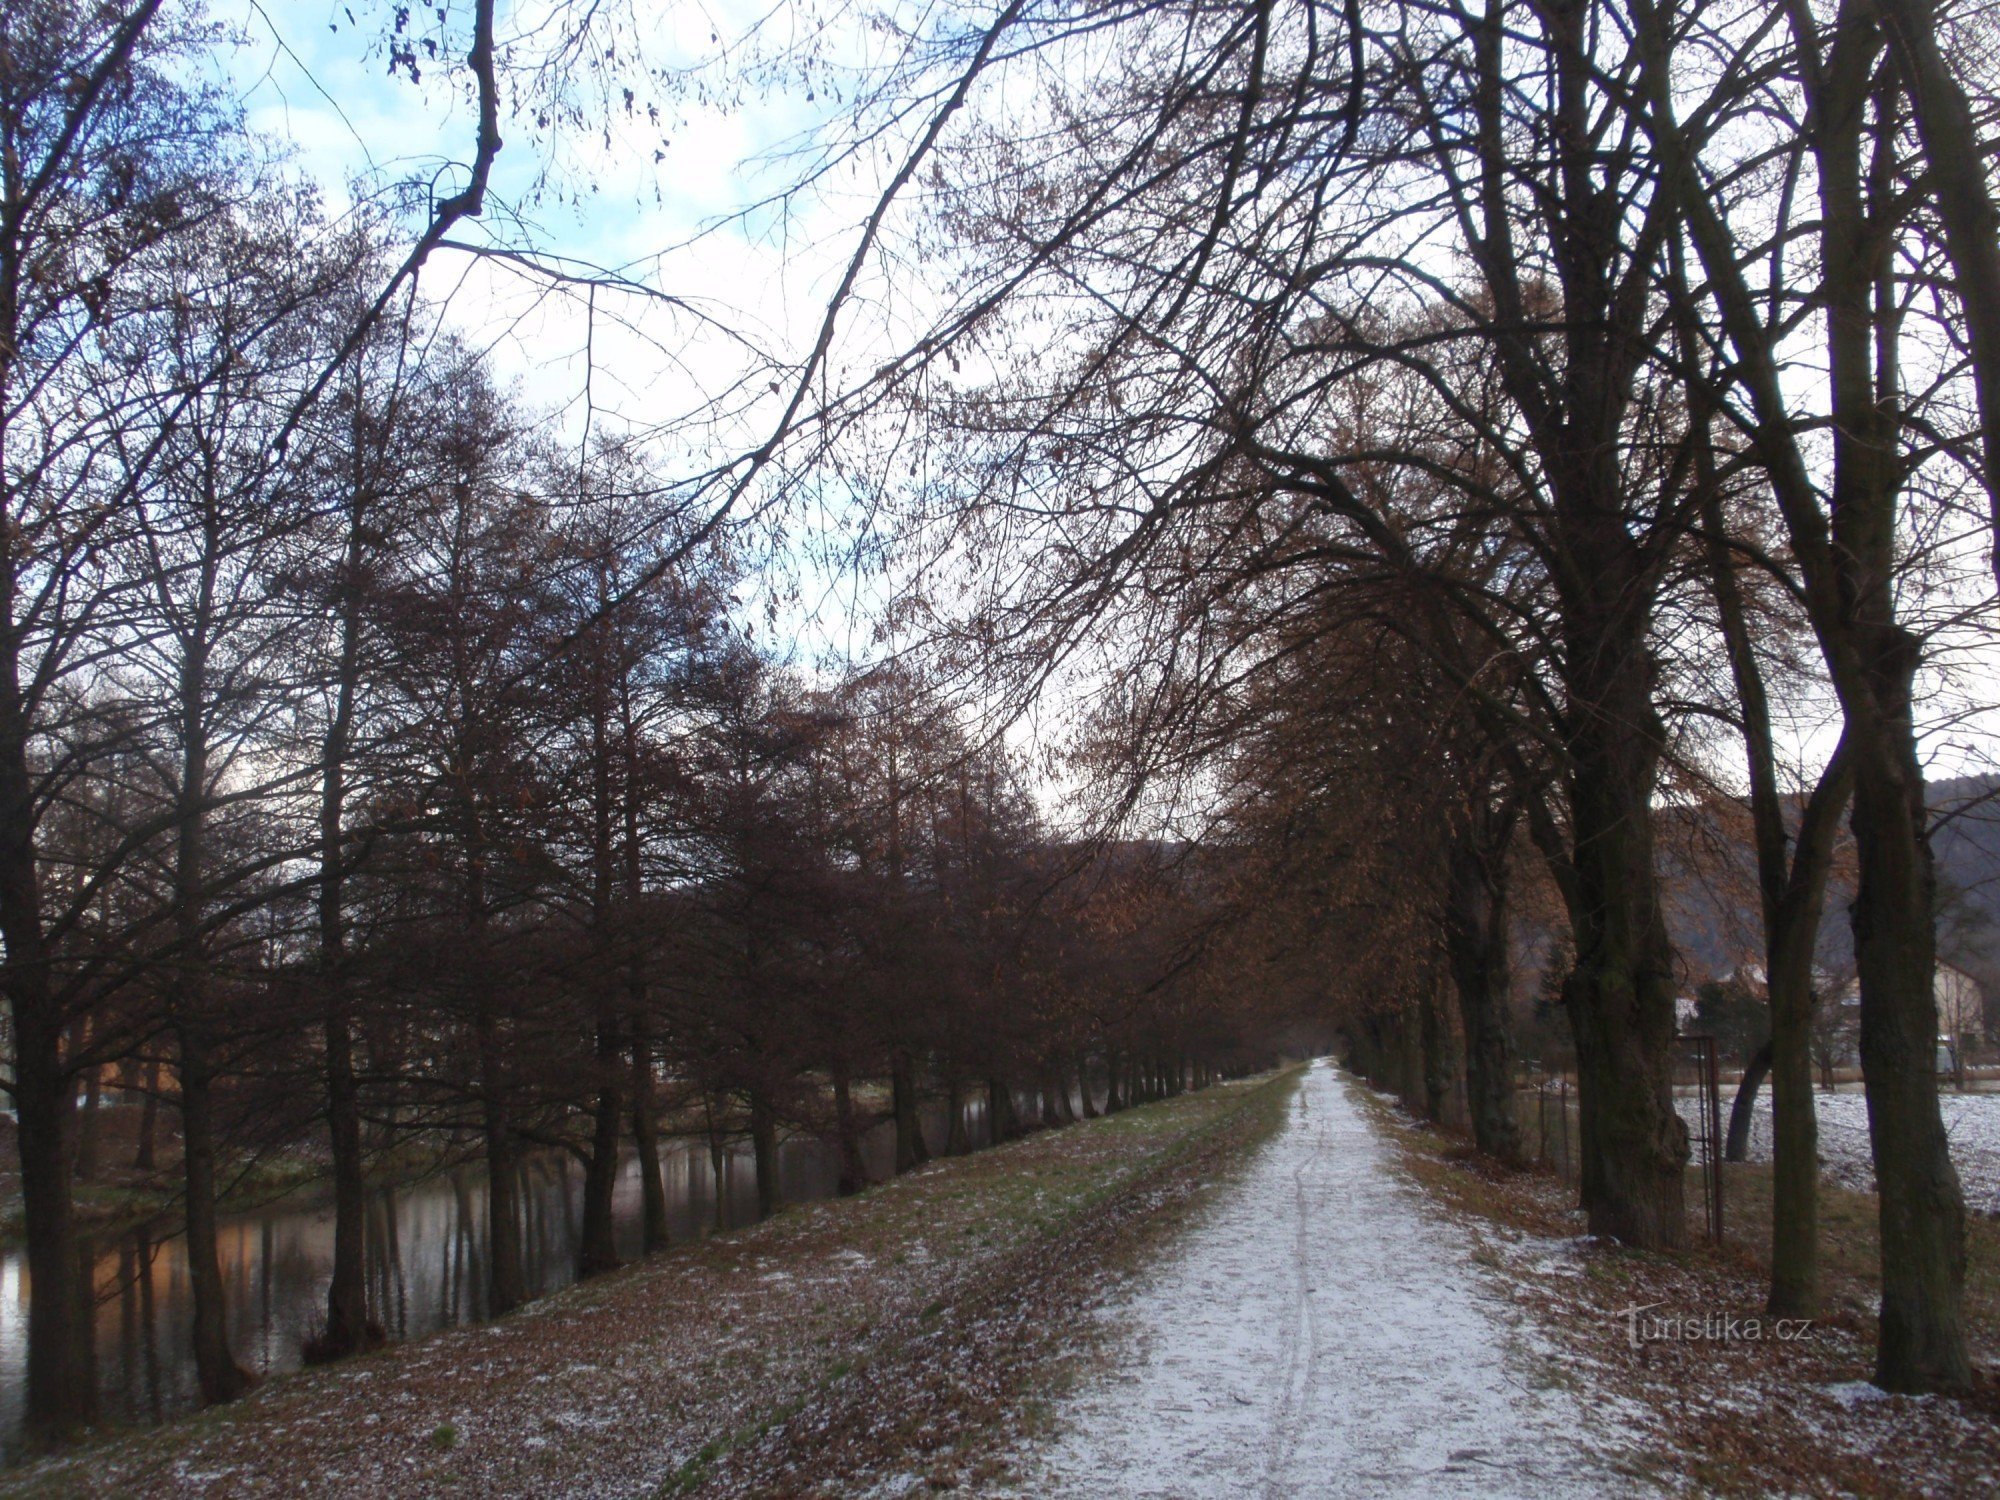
[[1296, 1401], [1322, 1330]]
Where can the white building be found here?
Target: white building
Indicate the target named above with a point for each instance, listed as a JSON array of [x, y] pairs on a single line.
[[1961, 1008]]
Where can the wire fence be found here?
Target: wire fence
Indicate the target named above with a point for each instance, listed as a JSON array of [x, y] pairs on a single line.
[[1972, 1126], [1546, 1112]]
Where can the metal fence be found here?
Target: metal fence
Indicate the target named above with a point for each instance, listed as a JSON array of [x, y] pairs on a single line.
[[1845, 1157], [1546, 1111], [1696, 1081]]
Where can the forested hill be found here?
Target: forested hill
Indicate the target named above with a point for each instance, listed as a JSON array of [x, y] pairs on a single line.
[[1966, 840], [1710, 932]]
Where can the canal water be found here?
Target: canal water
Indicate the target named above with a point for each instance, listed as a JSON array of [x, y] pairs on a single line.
[[427, 1247]]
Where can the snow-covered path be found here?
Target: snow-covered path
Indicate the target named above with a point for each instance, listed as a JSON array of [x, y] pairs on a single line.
[[1323, 1330]]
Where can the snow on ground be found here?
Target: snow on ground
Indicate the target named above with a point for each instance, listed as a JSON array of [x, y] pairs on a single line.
[[834, 1340], [1971, 1120], [1323, 1331]]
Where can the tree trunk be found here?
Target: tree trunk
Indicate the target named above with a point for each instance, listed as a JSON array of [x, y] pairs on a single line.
[[220, 1377], [1873, 663], [1605, 560], [1056, 1109], [1000, 1109], [86, 1131], [853, 1175], [61, 1398], [1620, 993], [646, 1139], [1410, 1060], [911, 1152], [1441, 1066], [1794, 1150], [764, 1147], [957, 1142], [506, 1280], [597, 1245], [189, 1003], [1922, 1340], [1083, 1086], [1736, 1144], [348, 1330], [1791, 876], [717, 1163], [1477, 952], [144, 1153]]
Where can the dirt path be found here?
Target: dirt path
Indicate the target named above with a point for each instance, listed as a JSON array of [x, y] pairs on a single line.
[[1324, 1330]]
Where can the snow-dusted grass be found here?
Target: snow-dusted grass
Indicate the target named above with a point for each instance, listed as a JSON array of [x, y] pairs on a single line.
[[1849, 1253], [711, 1369], [1971, 1121], [1732, 1411]]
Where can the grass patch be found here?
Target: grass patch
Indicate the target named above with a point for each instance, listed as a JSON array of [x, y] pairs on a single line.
[[1722, 1415], [903, 1322], [946, 1390], [1849, 1247]]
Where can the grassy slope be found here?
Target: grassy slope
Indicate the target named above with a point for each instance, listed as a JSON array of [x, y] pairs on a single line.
[[1848, 1253], [833, 1340]]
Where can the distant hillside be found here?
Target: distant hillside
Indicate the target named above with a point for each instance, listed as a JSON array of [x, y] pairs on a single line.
[[1966, 840], [1711, 928]]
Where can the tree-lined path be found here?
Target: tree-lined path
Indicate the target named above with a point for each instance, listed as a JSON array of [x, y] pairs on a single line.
[[1324, 1331], [1051, 559]]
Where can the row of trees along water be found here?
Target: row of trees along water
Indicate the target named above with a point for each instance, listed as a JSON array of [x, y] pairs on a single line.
[[379, 768], [1423, 452]]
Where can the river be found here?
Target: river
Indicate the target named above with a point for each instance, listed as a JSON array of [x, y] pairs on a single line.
[[426, 1263]]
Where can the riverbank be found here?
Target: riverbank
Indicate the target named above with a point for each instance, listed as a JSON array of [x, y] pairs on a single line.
[[119, 1197], [1726, 1401], [830, 1348]]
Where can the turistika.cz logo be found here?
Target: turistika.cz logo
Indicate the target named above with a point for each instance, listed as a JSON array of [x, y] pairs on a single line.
[[1642, 1327]]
